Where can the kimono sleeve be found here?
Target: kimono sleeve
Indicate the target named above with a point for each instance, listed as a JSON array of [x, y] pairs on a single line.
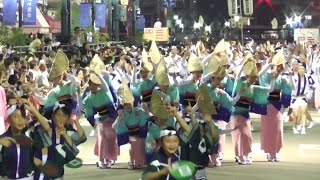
[[88, 109], [76, 139], [50, 101], [260, 100], [41, 139], [286, 91], [149, 169]]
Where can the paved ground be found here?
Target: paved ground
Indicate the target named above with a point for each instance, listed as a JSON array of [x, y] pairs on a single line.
[[300, 159]]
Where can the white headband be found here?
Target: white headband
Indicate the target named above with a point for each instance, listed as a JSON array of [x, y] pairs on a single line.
[[11, 109], [58, 105], [167, 133]]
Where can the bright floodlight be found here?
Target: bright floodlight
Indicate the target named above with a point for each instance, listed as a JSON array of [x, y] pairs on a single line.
[[289, 21], [237, 18], [227, 24], [297, 19], [207, 28], [175, 17], [179, 21], [196, 25]]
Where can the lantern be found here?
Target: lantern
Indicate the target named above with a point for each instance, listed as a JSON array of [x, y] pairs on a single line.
[[124, 2]]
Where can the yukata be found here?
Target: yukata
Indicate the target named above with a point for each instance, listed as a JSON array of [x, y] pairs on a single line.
[[63, 94], [16, 162], [159, 160], [142, 90], [254, 100], [271, 123], [100, 112], [3, 110], [55, 150], [133, 129], [200, 148], [187, 94], [223, 105]]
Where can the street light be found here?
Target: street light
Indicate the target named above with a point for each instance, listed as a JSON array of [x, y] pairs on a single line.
[[196, 25], [176, 17], [289, 21], [237, 18], [297, 19], [208, 29], [178, 21], [227, 24]]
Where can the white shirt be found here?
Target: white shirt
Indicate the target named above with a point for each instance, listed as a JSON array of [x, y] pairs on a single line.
[[158, 24]]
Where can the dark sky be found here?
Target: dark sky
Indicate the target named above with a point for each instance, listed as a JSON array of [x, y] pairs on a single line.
[[218, 10]]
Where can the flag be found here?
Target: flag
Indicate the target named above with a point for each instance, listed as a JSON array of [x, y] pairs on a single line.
[[9, 12], [85, 15], [29, 12], [100, 15]]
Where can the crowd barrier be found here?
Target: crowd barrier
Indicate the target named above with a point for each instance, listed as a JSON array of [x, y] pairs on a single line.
[[67, 47]]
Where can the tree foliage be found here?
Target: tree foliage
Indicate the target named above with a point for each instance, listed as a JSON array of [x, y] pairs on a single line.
[[13, 36]]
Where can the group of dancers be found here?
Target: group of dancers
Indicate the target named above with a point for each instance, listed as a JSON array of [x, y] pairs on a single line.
[[171, 104]]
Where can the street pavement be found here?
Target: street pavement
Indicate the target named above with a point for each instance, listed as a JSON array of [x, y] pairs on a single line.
[[300, 159]]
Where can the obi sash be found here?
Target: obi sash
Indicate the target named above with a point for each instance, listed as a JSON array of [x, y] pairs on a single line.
[[190, 98], [244, 102], [134, 130], [146, 95], [66, 100], [275, 96], [102, 110], [216, 106]]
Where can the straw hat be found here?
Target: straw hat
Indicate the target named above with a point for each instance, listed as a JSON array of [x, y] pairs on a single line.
[[220, 47], [94, 79], [220, 72], [213, 64], [162, 74], [97, 64], [59, 66], [250, 68], [279, 59], [127, 94], [2, 68], [146, 65], [204, 101], [158, 107], [154, 53], [194, 64]]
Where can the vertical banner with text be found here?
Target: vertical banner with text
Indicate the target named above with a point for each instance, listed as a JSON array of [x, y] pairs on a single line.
[[100, 15], [29, 12], [248, 7], [233, 7], [9, 12], [85, 15]]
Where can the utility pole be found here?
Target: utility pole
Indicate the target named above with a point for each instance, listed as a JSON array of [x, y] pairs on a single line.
[[92, 16], [116, 20], [65, 20], [109, 24], [20, 13], [241, 21], [133, 21]]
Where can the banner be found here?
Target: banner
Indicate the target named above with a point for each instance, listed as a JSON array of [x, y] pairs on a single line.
[[100, 15], [9, 12], [248, 7], [29, 12], [85, 15], [233, 7], [156, 34]]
